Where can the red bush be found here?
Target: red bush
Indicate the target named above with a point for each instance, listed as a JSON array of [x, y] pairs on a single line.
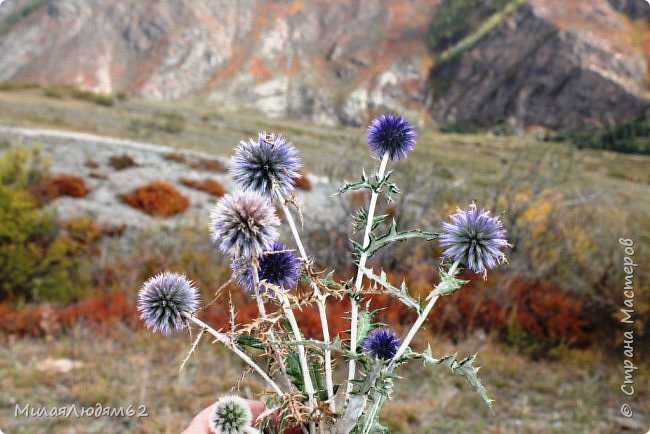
[[121, 162], [541, 310], [98, 312], [302, 182], [208, 164], [158, 198], [209, 186], [52, 187]]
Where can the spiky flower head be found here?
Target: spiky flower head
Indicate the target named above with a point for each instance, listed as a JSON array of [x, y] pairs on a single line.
[[382, 344], [231, 415], [391, 134], [244, 224], [278, 266], [269, 163], [164, 299], [474, 239]]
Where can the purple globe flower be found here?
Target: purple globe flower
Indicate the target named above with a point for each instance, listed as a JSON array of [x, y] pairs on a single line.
[[382, 344], [270, 163], [278, 266], [474, 239], [391, 134], [245, 224], [164, 299]]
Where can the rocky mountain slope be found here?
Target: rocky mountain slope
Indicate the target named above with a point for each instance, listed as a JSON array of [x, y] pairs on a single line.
[[554, 63]]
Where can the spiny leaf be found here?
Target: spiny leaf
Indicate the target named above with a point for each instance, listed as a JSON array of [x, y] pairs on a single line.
[[360, 220], [401, 293], [250, 341], [316, 372], [292, 364], [464, 367], [378, 428], [447, 286], [377, 242], [375, 187], [364, 324], [329, 282], [334, 345]]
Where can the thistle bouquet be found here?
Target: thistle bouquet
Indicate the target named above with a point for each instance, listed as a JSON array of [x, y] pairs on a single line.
[[298, 372]]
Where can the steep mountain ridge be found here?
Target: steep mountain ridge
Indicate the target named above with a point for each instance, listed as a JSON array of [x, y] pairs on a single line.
[[556, 63]]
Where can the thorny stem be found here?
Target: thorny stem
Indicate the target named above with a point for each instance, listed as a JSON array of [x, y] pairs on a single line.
[[225, 340], [378, 399], [192, 349], [359, 279], [262, 310], [309, 387], [418, 323], [320, 301], [370, 418]]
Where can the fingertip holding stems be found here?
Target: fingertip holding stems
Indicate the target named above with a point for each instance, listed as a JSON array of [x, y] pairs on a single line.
[[244, 226]]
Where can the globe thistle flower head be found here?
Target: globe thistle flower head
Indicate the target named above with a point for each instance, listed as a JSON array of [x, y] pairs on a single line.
[[164, 299], [474, 239], [381, 344], [278, 266], [244, 224], [269, 163], [391, 134], [231, 415]]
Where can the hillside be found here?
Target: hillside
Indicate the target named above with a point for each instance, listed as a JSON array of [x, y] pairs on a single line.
[[558, 64], [545, 325]]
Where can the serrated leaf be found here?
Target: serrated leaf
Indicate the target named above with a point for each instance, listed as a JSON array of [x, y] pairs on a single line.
[[292, 363], [250, 341], [448, 284], [375, 187], [329, 281], [377, 242], [467, 369], [378, 428], [401, 293], [464, 367], [335, 345], [360, 220], [316, 372], [364, 325]]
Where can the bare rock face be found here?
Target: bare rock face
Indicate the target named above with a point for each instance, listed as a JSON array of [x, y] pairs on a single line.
[[327, 61], [632, 8], [556, 63]]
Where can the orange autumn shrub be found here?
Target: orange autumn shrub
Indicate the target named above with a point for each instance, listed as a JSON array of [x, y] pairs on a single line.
[[209, 186], [302, 182], [52, 187], [548, 314], [202, 163], [121, 162], [158, 198], [98, 312]]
